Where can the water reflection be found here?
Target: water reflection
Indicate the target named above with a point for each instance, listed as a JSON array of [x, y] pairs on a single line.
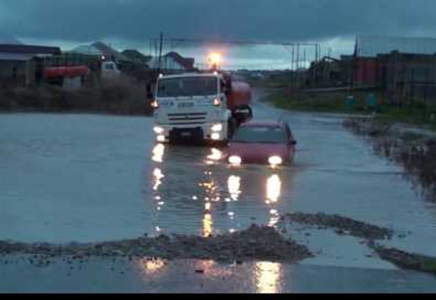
[[158, 153], [207, 225], [216, 155], [203, 193], [273, 188], [158, 176], [273, 193], [152, 266], [234, 186], [267, 277]]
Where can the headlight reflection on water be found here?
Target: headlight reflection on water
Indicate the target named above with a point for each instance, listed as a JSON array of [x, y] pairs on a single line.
[[234, 186], [273, 188], [158, 153], [267, 277], [273, 193], [207, 225], [158, 176]]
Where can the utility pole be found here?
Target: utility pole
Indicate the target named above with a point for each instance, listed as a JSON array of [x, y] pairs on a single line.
[[160, 51]]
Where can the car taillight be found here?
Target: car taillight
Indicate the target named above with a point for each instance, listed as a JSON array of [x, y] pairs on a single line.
[[217, 102]]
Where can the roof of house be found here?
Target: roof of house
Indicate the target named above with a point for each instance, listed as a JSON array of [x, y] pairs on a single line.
[[186, 63], [371, 46], [29, 49], [100, 48], [110, 52], [15, 56], [87, 50], [136, 55]]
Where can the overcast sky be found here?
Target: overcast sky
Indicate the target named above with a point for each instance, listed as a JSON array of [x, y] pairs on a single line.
[[130, 23]]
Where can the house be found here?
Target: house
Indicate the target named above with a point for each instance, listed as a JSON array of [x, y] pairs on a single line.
[[174, 62], [326, 72], [368, 48], [106, 52], [138, 58], [408, 77], [23, 65]]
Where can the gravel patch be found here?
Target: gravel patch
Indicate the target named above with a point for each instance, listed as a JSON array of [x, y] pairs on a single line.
[[341, 225], [255, 243]]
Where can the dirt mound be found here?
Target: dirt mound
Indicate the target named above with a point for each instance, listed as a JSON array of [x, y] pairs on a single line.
[[342, 225], [255, 243]]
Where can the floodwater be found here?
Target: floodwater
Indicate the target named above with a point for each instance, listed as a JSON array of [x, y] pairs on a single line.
[[87, 178]]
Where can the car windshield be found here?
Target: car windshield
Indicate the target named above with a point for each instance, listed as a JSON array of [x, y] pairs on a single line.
[[188, 87], [260, 134]]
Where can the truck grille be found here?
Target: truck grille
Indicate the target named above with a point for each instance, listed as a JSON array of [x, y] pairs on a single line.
[[187, 118]]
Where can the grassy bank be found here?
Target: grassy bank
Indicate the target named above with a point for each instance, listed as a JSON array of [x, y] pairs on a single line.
[[337, 102], [120, 97], [405, 260]]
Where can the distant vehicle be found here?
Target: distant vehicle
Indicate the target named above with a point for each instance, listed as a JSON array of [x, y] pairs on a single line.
[[68, 77], [270, 143], [109, 70], [200, 107]]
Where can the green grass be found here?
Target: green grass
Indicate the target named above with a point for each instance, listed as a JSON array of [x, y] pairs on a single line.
[[428, 266], [336, 102], [119, 97], [307, 102]]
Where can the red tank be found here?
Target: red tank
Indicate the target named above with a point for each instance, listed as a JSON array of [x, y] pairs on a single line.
[[75, 71], [240, 95]]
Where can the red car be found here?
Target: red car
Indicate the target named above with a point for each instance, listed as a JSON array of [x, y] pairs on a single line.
[[269, 143]]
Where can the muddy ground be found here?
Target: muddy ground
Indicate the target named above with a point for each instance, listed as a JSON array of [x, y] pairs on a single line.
[[415, 150]]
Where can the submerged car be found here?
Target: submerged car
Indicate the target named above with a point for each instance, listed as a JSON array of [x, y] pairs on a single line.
[[270, 143]]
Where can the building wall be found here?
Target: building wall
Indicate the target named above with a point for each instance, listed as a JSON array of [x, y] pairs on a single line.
[[365, 70], [13, 73], [409, 77]]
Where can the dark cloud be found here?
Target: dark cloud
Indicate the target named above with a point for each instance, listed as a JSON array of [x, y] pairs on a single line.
[[137, 20]]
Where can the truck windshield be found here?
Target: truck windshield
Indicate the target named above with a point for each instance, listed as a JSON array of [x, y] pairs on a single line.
[[188, 87], [260, 134]]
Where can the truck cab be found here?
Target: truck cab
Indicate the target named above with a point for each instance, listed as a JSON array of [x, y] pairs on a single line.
[[193, 106]]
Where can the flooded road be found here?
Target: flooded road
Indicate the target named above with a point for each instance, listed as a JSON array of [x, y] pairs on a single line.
[[83, 178]]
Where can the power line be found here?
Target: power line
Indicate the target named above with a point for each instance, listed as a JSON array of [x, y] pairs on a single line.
[[242, 42]]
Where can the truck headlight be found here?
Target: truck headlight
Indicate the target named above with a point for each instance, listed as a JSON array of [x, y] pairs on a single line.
[[161, 138], [158, 130], [155, 104], [215, 136], [217, 128], [235, 160], [275, 161]]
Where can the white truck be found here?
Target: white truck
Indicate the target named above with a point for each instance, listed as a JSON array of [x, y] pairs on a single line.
[[199, 107]]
